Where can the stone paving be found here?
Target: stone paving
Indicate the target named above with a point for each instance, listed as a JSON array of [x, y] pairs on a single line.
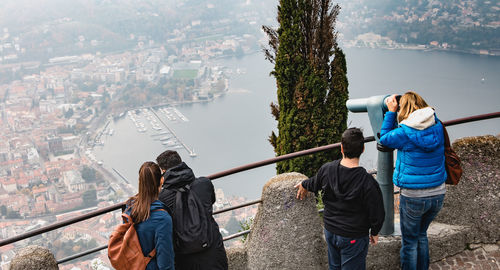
[[479, 257]]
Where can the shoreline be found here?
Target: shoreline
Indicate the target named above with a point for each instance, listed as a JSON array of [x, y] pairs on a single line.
[[415, 47]]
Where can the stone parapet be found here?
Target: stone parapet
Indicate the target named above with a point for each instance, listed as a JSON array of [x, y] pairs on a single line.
[[286, 232], [34, 258], [444, 240], [475, 201]]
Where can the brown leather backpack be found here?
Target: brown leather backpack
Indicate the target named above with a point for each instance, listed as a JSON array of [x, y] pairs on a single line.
[[124, 248], [452, 161]]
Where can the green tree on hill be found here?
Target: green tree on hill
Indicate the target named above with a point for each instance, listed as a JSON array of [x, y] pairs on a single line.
[[89, 174], [89, 197], [310, 72]]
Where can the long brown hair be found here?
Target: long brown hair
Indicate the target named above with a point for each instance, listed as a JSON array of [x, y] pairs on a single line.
[[149, 184], [409, 103]]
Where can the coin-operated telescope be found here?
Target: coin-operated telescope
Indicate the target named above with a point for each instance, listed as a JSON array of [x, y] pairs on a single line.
[[376, 108]]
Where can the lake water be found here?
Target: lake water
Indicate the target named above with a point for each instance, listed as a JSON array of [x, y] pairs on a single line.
[[233, 130]]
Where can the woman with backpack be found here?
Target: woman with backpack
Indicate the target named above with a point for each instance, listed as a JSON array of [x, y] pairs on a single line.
[[152, 223], [414, 130]]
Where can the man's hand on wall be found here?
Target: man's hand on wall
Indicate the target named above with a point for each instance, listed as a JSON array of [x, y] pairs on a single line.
[[301, 192]]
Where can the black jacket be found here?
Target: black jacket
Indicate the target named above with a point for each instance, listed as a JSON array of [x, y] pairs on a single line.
[[215, 257], [352, 198]]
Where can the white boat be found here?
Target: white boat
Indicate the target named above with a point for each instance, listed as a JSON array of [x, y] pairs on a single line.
[[168, 143]]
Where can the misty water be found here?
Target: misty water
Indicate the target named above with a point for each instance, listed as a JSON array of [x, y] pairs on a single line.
[[233, 130]]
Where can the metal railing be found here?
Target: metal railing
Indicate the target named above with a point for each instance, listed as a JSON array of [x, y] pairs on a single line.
[[212, 177], [229, 237]]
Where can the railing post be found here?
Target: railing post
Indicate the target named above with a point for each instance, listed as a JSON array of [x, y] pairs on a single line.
[[375, 106]]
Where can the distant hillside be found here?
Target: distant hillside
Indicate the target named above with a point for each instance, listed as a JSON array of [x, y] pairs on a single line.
[[48, 28], [460, 25]]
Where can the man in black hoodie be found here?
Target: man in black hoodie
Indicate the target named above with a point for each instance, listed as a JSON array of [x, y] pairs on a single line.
[[177, 175], [354, 210]]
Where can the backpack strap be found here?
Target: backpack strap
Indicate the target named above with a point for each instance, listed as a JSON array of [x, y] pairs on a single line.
[[447, 143], [152, 254], [185, 188], [178, 196], [126, 218]]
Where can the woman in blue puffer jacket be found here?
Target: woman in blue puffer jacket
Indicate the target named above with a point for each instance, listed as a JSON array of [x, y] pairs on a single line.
[[153, 224], [415, 131]]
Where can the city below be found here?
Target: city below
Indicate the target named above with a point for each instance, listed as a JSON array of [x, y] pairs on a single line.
[[64, 81]]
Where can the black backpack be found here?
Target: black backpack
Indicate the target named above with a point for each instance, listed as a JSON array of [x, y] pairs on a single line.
[[191, 222]]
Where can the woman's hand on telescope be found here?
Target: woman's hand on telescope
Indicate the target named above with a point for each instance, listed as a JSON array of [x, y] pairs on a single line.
[[392, 103]]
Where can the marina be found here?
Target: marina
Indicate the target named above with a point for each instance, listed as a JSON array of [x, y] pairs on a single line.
[[168, 137], [182, 144], [138, 124]]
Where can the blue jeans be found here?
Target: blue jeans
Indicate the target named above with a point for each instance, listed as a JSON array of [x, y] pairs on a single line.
[[346, 253], [416, 214]]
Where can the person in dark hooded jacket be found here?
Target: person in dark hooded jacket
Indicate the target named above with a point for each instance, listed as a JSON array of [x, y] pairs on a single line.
[[176, 175], [354, 210]]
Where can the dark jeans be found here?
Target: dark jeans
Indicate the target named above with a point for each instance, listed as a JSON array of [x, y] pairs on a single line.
[[346, 253], [416, 215]]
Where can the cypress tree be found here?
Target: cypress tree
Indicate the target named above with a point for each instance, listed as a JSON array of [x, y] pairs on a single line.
[[310, 72]]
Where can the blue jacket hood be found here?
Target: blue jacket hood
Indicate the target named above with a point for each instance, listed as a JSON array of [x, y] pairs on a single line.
[[423, 129], [428, 139]]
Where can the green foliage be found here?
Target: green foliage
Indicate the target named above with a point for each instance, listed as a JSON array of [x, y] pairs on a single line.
[[185, 74], [232, 225], [441, 21], [65, 130], [12, 214], [245, 225], [89, 197], [3, 210], [69, 113], [89, 174], [67, 248], [319, 202], [310, 72]]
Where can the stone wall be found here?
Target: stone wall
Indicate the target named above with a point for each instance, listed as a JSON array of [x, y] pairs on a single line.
[[475, 201], [286, 232], [34, 258]]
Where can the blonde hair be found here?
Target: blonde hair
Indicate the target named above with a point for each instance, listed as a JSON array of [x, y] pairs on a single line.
[[409, 103]]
